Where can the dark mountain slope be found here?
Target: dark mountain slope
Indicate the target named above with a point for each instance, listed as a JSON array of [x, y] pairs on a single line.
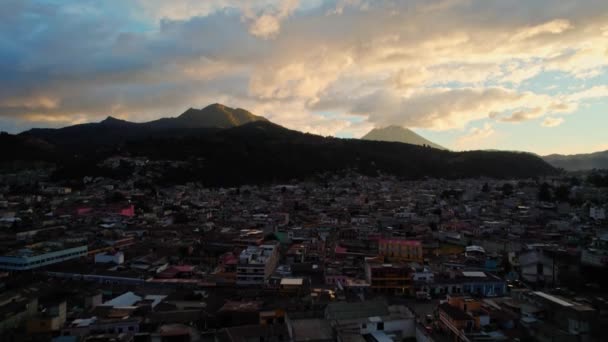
[[16, 147], [262, 151]]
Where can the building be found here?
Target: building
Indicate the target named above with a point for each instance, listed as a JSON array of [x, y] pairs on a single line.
[[39, 255], [15, 309], [400, 249], [117, 258], [538, 264], [464, 282], [597, 213], [93, 325], [256, 264], [555, 318], [596, 255], [291, 286], [50, 320], [389, 278], [462, 317]]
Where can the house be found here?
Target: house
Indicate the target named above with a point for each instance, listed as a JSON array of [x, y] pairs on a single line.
[[538, 265]]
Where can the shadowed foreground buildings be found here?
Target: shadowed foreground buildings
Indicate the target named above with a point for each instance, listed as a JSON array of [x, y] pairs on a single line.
[[346, 258]]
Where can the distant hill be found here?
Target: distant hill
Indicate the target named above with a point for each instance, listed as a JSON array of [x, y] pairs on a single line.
[[399, 134], [579, 162], [217, 146]]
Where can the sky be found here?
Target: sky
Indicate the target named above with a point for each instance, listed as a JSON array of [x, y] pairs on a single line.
[[466, 74]]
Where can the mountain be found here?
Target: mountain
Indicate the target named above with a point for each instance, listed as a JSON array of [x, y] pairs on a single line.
[[579, 162], [233, 151], [112, 131], [215, 115], [399, 134]]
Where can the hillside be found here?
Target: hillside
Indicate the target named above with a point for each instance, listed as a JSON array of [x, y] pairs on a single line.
[[399, 134], [263, 151], [258, 151], [579, 162]]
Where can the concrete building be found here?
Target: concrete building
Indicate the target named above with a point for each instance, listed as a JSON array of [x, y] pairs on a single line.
[[39, 255], [256, 264]]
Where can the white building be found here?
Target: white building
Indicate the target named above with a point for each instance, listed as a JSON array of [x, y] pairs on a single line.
[[537, 265], [39, 255], [256, 264]]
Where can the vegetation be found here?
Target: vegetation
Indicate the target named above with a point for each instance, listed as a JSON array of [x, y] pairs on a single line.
[[257, 152]]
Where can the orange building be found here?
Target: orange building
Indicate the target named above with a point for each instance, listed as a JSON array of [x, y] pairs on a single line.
[[462, 315]]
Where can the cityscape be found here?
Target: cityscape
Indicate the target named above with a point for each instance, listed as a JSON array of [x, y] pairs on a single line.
[[303, 171]]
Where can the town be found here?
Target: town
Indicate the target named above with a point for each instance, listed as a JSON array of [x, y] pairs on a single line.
[[333, 258]]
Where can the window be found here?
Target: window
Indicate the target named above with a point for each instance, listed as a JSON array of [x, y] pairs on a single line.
[[380, 326]]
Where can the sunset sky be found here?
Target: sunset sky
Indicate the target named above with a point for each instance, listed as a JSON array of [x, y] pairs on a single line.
[[467, 74]]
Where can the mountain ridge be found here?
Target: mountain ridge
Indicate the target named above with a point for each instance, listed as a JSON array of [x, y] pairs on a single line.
[[112, 130], [579, 162]]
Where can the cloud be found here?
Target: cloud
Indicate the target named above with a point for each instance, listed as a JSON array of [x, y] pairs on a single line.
[[590, 93], [31, 102], [475, 136], [441, 108], [556, 26], [520, 115], [552, 122], [369, 62], [267, 23]]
